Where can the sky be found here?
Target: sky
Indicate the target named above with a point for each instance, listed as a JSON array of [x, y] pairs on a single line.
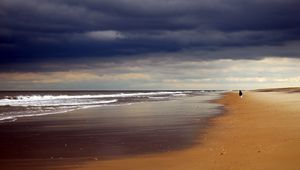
[[149, 44]]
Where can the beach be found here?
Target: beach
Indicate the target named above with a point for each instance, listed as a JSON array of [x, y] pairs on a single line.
[[149, 85], [138, 123], [258, 131]]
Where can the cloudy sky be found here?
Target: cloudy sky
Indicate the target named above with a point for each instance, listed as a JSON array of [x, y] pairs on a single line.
[[149, 44]]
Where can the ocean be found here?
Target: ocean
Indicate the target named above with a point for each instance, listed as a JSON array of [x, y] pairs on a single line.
[[53, 125], [18, 104]]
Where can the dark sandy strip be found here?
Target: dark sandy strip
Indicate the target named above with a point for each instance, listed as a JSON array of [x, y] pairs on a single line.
[[55, 141]]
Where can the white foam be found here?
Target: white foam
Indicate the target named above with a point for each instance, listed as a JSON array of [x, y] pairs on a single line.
[[158, 98], [6, 118], [52, 100], [31, 115], [12, 116], [46, 103], [51, 97], [182, 94], [38, 105]]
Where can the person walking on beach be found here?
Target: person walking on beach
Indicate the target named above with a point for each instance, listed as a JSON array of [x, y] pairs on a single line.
[[240, 93]]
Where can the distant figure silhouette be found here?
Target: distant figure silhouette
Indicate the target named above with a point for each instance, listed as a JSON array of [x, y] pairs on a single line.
[[241, 94]]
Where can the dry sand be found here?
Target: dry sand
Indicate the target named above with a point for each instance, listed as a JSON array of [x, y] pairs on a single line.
[[259, 131]]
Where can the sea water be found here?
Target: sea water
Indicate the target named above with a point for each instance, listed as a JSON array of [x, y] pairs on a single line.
[[17, 104]]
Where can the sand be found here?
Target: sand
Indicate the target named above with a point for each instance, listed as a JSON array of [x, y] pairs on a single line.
[[101, 133], [259, 131]]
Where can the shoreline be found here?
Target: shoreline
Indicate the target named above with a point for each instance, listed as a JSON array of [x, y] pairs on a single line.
[[259, 131], [104, 133]]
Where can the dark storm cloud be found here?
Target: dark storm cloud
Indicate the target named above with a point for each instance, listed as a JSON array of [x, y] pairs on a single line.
[[44, 30]]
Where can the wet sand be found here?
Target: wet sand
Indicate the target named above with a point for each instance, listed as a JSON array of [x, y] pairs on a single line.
[[259, 131], [66, 141]]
